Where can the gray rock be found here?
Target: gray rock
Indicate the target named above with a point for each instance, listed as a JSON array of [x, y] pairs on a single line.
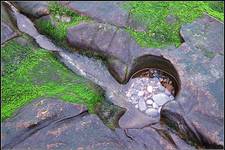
[[7, 33], [171, 19], [34, 8], [149, 101]]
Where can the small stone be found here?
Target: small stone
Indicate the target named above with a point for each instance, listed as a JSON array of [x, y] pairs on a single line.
[[161, 98], [140, 93], [65, 19], [149, 102], [152, 112], [149, 89], [154, 105], [142, 106], [171, 97], [57, 16], [136, 106]]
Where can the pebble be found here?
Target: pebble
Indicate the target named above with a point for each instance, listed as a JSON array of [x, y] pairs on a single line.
[[136, 106], [149, 89], [154, 105], [161, 98], [142, 106], [140, 93], [149, 102], [152, 112], [65, 19]]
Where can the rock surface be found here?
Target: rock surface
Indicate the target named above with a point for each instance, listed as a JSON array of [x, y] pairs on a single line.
[[199, 74], [53, 124], [8, 28], [34, 8], [197, 114]]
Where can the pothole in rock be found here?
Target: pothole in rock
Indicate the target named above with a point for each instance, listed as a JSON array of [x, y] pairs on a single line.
[[149, 89]]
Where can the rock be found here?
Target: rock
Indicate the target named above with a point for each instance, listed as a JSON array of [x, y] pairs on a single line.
[[7, 33], [202, 33], [140, 93], [149, 102], [34, 8], [65, 19], [8, 27], [160, 99], [149, 89], [154, 105], [107, 41], [171, 19], [101, 11], [142, 105], [152, 112]]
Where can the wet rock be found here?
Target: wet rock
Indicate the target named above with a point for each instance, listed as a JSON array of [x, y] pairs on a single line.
[[34, 8]]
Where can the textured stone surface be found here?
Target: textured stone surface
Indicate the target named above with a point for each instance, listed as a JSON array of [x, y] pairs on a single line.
[[34, 8], [199, 73], [7, 33], [8, 28], [197, 113], [100, 11], [53, 124]]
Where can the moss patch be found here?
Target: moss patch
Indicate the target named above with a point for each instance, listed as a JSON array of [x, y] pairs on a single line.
[[155, 14], [59, 32], [41, 75]]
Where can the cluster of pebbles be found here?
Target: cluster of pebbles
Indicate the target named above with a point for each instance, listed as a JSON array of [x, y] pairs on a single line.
[[149, 90]]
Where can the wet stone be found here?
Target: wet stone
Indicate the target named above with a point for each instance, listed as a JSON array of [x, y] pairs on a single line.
[[161, 98]]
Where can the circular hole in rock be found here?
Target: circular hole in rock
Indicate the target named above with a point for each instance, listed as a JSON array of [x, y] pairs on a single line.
[[150, 88]]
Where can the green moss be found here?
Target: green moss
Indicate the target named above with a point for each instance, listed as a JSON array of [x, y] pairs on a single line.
[[153, 14], [59, 32], [12, 54], [41, 75]]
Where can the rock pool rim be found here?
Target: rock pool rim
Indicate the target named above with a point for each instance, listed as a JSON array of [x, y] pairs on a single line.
[[156, 62]]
